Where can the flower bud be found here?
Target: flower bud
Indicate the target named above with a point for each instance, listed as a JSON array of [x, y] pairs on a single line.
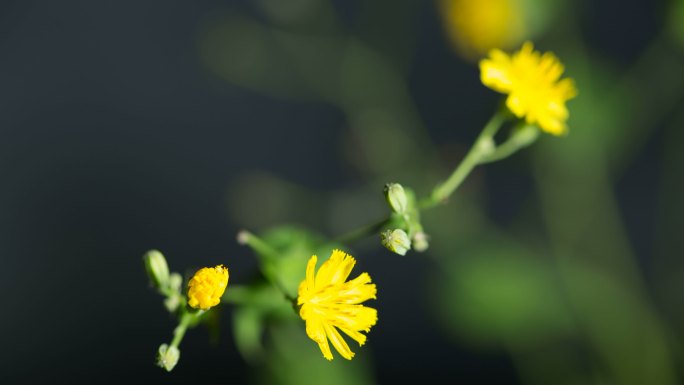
[[397, 241], [157, 268], [525, 135], [207, 286], [167, 357], [396, 197], [420, 242], [172, 302], [175, 281]]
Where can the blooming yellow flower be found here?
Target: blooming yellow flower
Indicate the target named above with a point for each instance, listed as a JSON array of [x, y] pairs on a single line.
[[328, 303], [531, 80], [207, 286], [476, 26]]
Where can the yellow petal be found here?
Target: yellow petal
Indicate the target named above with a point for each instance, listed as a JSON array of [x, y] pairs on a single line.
[[338, 342], [358, 337], [310, 270], [345, 267]]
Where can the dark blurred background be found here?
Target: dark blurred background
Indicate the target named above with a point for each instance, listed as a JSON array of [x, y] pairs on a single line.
[[119, 133]]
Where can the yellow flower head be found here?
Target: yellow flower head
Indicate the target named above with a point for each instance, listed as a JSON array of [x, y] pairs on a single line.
[[207, 286], [531, 80], [329, 302]]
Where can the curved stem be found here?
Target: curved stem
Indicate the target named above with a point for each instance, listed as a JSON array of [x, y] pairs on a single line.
[[179, 331], [480, 148], [522, 136]]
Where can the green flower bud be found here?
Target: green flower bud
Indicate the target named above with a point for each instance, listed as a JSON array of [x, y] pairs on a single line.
[[420, 242], [157, 269], [396, 241], [396, 197], [172, 302], [167, 357], [525, 135], [175, 281]]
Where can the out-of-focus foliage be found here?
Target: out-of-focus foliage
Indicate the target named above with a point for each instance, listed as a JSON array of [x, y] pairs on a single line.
[[676, 20], [500, 292]]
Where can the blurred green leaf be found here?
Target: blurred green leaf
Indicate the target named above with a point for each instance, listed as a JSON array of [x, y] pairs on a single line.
[[294, 247], [248, 330], [497, 293], [260, 302], [676, 21], [296, 360], [620, 325]]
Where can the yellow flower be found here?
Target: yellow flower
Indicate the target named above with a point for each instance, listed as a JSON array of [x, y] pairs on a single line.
[[476, 26], [328, 303], [207, 286], [531, 80]]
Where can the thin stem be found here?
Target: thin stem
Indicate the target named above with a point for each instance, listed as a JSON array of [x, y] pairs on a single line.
[[363, 231], [482, 145], [522, 136], [179, 331], [262, 248]]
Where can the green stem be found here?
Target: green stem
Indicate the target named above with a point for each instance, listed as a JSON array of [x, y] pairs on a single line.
[[363, 231], [179, 331], [480, 148], [522, 136], [262, 248]]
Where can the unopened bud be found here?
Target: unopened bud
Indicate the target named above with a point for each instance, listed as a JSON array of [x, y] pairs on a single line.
[[175, 281], [167, 357], [397, 241], [526, 135], [420, 242], [396, 197], [157, 268]]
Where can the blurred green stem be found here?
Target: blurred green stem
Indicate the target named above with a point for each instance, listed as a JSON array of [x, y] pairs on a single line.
[[179, 331], [484, 150], [522, 136], [364, 231], [484, 145]]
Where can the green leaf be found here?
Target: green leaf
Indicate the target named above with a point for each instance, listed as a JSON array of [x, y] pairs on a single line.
[[294, 246], [295, 359], [248, 329], [497, 293]]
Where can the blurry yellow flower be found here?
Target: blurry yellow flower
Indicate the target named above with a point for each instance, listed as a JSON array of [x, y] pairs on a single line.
[[207, 286], [329, 303], [531, 80], [476, 26]]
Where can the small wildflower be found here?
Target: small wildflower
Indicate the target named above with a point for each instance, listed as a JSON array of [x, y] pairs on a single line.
[[207, 286], [329, 302], [532, 82]]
